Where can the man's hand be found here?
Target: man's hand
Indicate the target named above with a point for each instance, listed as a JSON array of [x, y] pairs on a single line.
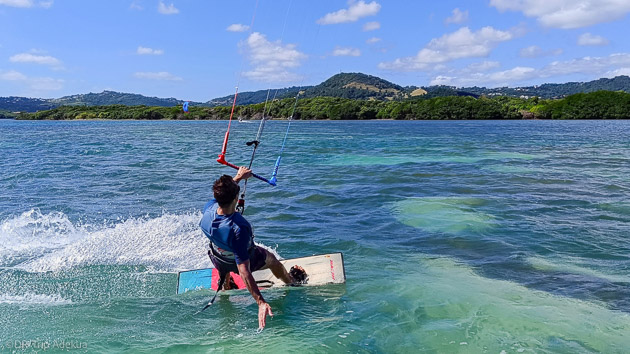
[[263, 310], [263, 307], [243, 173]]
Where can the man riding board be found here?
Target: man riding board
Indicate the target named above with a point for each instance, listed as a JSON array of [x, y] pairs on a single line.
[[232, 247]]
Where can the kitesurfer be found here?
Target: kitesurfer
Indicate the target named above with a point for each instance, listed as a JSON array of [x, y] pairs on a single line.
[[232, 247]]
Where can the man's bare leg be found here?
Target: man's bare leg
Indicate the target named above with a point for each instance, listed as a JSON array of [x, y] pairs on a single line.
[[228, 279], [278, 270]]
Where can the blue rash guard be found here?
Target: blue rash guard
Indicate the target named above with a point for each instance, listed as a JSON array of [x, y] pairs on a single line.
[[231, 233]]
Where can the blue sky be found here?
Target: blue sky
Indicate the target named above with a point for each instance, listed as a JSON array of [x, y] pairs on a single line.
[[201, 49]]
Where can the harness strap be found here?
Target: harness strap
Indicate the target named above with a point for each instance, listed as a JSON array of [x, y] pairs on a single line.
[[225, 263], [221, 281], [222, 263]]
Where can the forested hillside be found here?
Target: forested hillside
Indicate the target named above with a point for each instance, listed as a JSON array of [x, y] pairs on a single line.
[[595, 105], [355, 86], [246, 98], [619, 83]]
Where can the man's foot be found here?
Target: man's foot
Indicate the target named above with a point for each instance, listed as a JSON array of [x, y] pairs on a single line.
[[298, 275]]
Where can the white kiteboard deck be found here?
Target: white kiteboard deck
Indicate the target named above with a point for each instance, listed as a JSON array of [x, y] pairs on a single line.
[[320, 269]]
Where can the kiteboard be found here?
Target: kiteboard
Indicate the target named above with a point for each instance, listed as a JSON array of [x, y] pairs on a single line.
[[320, 269]]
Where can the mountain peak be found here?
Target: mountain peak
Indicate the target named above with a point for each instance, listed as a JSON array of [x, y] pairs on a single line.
[[358, 86]]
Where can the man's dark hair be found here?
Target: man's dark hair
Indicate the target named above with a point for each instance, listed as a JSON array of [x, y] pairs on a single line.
[[225, 190]]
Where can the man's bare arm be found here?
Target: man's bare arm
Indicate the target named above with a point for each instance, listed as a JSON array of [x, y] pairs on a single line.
[[248, 278], [263, 308]]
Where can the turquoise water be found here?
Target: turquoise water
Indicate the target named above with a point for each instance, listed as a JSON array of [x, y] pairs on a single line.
[[471, 237]]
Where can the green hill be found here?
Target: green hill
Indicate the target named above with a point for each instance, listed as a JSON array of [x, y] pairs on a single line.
[[253, 97], [619, 83], [444, 91], [112, 97], [356, 86], [24, 104], [594, 105]]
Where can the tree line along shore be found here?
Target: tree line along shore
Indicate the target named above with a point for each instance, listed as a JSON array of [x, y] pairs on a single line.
[[595, 105]]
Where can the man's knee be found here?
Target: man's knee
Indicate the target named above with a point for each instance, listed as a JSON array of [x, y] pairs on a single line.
[[271, 259]]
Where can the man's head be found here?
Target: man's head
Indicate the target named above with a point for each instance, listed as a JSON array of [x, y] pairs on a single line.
[[225, 190]]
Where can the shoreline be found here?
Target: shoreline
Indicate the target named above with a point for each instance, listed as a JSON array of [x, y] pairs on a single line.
[[315, 120], [596, 105]]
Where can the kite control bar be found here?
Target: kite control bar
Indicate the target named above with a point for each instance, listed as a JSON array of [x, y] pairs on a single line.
[[222, 161]]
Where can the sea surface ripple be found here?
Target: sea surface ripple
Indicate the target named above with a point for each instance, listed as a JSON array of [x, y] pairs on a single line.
[[473, 236]]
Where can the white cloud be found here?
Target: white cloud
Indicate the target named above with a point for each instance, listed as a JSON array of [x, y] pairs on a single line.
[[353, 13], [149, 51], [592, 40], [371, 26], [167, 10], [443, 80], [457, 17], [347, 52], [567, 13], [12, 75], [35, 59], [36, 83], [46, 84], [17, 3], [535, 51], [272, 61], [590, 67], [136, 6], [618, 72], [373, 40], [507, 76], [462, 43], [494, 79], [26, 3], [531, 52], [162, 76], [237, 27], [483, 66]]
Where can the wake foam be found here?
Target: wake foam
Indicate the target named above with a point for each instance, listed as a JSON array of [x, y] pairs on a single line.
[[271, 250], [33, 234], [37, 242]]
